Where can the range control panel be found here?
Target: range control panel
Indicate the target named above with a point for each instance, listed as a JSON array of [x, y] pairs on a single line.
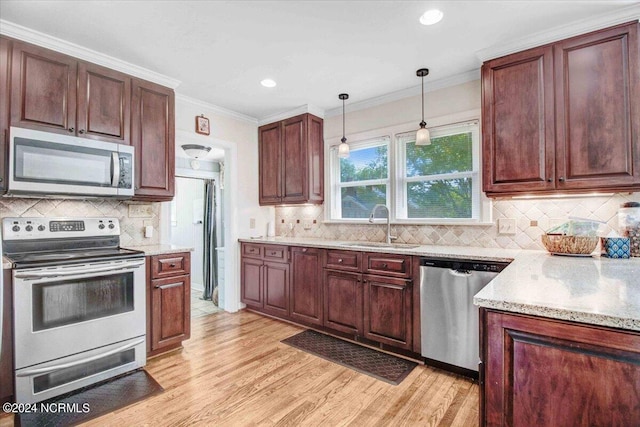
[[55, 228]]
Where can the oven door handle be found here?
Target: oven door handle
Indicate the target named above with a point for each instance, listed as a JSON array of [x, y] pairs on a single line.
[[78, 271], [37, 371]]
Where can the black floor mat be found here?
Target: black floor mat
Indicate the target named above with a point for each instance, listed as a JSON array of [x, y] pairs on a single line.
[[101, 398], [382, 366]]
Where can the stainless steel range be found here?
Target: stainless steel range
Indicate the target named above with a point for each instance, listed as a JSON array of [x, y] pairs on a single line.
[[79, 304]]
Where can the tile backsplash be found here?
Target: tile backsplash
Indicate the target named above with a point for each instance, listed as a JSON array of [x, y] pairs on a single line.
[[132, 227], [533, 217]]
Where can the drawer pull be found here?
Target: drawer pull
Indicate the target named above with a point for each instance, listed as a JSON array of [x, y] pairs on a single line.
[[339, 260], [304, 249], [384, 265], [172, 265], [272, 253]]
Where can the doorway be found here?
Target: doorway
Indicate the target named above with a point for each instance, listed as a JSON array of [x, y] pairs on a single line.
[[196, 222]]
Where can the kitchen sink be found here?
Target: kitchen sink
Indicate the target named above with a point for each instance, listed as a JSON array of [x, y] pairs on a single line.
[[380, 245]]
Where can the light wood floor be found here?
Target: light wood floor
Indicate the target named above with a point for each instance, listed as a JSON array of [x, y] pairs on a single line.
[[235, 372]]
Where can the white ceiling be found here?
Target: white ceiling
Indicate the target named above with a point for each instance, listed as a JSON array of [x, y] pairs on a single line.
[[220, 50]]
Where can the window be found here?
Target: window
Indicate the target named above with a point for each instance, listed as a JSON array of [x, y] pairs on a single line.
[[437, 182], [362, 180]]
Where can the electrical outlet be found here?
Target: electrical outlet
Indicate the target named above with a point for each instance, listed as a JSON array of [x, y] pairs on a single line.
[[306, 224], [252, 223], [506, 226]]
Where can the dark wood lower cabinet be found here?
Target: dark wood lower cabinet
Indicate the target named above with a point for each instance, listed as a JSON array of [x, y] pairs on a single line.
[[251, 279], [387, 310], [545, 372], [343, 295], [6, 355], [306, 286], [275, 277], [168, 304]]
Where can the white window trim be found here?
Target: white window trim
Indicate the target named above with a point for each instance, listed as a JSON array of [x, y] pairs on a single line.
[[482, 203]]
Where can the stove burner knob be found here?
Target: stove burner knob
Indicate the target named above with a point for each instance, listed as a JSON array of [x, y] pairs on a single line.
[[41, 228], [16, 228], [101, 226], [28, 228], [112, 226]]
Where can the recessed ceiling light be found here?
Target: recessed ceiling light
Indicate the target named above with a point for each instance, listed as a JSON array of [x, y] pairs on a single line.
[[431, 17], [268, 83]]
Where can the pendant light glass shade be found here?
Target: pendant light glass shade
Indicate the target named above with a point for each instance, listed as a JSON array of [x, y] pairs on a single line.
[[343, 148], [422, 136]]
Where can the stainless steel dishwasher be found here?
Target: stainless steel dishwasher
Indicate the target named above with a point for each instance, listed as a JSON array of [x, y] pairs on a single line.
[[449, 320]]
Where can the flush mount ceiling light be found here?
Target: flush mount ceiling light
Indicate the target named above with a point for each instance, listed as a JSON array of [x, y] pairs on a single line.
[[343, 148], [422, 136], [430, 17], [196, 152], [268, 83]]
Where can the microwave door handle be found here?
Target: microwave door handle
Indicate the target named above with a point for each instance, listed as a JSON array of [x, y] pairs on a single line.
[[115, 169], [32, 372]]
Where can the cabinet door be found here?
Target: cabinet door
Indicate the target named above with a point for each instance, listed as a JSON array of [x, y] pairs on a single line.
[[306, 286], [552, 373], [276, 288], [294, 160], [598, 109], [5, 52], [315, 159], [343, 301], [6, 355], [517, 122], [251, 282], [387, 310], [171, 305], [43, 89], [153, 136], [104, 102], [270, 164]]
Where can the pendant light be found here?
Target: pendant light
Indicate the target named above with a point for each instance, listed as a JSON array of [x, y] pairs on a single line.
[[343, 148], [422, 136]]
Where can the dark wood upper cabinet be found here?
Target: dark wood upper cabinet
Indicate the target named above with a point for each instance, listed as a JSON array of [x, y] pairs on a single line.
[[306, 285], [5, 60], [44, 85], [104, 103], [564, 117], [291, 163], [545, 372], [153, 136], [518, 124], [57, 93], [597, 78]]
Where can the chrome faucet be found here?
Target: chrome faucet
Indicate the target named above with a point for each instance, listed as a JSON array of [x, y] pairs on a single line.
[[373, 212]]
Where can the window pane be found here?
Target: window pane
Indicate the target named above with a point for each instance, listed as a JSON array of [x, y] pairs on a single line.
[[365, 163], [449, 198], [446, 154], [357, 202]]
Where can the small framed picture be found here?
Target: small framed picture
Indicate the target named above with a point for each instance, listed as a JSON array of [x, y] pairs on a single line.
[[202, 125]]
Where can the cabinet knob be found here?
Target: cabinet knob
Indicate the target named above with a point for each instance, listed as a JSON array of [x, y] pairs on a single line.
[[81, 131], [172, 265], [72, 130], [549, 180], [561, 179], [272, 253], [384, 265], [304, 249], [339, 260]]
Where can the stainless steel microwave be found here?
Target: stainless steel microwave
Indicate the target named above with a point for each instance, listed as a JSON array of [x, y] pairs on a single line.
[[50, 164]]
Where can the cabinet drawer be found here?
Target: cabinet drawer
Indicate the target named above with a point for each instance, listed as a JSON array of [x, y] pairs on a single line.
[[344, 260], [170, 265], [388, 264], [253, 251], [279, 253]]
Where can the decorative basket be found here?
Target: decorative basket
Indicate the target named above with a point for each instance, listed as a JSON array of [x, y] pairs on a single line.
[[573, 245]]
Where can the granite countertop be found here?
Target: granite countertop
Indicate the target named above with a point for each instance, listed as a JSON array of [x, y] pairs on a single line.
[[593, 290], [160, 249]]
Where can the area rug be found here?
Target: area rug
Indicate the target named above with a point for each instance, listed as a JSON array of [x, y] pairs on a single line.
[[92, 401], [382, 366]]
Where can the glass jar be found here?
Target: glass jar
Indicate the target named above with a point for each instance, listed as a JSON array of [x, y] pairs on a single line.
[[629, 223]]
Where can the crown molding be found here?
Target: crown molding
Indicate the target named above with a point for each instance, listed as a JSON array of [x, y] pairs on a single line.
[[303, 109], [216, 109], [631, 13], [431, 86], [28, 35]]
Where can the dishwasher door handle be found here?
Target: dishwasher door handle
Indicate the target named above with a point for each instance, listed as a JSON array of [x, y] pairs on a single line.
[[460, 273]]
